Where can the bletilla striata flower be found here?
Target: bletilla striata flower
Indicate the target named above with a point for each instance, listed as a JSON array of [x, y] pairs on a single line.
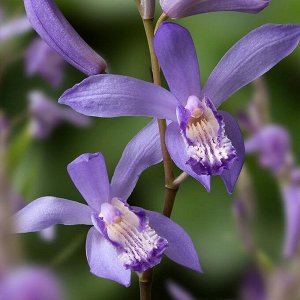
[[123, 238], [183, 8], [273, 144], [45, 115], [47, 20], [202, 141], [42, 60], [29, 283]]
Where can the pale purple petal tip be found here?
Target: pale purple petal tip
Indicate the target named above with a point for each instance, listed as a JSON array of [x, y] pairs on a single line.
[[103, 259], [47, 211], [177, 292], [42, 60], [180, 246], [89, 174], [143, 151], [57, 32], [30, 283], [183, 8], [115, 95], [45, 115], [14, 28]]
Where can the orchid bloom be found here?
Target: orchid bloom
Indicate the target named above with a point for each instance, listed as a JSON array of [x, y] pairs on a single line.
[[201, 140], [176, 9], [45, 115], [42, 60], [48, 21], [123, 238], [273, 144]]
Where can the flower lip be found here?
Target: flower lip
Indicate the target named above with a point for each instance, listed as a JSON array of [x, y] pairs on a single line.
[[203, 130], [138, 245]]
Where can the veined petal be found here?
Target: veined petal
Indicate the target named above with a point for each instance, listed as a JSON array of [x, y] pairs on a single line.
[[47, 211], [115, 96], [183, 8], [57, 32], [89, 174], [180, 246], [177, 150], [103, 259], [177, 56], [143, 151], [234, 133], [250, 58]]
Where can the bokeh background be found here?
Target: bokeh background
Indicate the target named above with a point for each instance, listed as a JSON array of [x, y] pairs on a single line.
[[114, 29]]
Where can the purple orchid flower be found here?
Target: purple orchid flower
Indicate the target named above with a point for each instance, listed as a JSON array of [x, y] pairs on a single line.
[[272, 142], [184, 8], [201, 140], [45, 115], [30, 283], [123, 238], [42, 60], [13, 28], [56, 31]]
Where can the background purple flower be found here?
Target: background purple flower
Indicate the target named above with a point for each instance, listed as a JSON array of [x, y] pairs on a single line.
[[42, 60], [183, 8], [123, 238], [273, 144], [45, 115], [177, 292], [30, 283]]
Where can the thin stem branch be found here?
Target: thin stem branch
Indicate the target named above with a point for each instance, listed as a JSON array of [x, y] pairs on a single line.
[[145, 282]]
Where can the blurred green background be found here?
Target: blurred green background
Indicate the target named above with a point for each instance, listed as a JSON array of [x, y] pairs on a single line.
[[114, 29]]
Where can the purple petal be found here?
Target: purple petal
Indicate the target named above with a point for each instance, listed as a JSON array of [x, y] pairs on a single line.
[[42, 60], [103, 259], [89, 174], [56, 31], [177, 56], [234, 133], [143, 151], [291, 196], [14, 28], [177, 150], [47, 211], [250, 58], [183, 8], [180, 246], [115, 96]]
